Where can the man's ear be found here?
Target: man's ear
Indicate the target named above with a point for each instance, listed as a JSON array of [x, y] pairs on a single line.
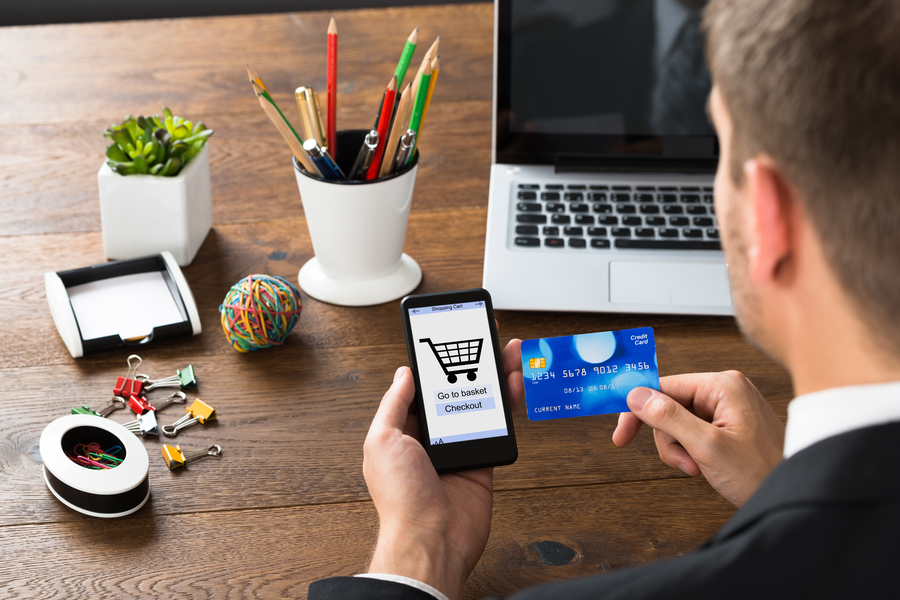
[[769, 234]]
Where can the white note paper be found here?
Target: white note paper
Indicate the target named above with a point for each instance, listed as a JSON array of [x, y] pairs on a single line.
[[129, 306]]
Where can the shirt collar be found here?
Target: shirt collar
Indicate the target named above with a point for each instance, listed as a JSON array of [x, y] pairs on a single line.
[[819, 415]]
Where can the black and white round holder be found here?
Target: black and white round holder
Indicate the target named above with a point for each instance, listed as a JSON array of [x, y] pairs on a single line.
[[99, 493]]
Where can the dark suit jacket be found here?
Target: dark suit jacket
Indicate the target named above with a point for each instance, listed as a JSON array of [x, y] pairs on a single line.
[[825, 524]]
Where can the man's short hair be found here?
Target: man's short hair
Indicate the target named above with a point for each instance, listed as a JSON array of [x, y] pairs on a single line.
[[815, 84]]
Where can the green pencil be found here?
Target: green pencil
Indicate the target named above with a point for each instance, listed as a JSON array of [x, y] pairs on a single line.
[[406, 56], [415, 121]]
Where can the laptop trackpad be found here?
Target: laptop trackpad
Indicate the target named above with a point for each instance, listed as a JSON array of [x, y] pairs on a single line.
[[691, 284]]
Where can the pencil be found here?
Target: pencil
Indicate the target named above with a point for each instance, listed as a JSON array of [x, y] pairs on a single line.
[[435, 69], [406, 56], [285, 129], [331, 126], [426, 60], [387, 111], [415, 121], [401, 119], [281, 123]]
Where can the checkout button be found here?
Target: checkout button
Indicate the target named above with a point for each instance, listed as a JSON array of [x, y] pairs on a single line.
[[465, 406]]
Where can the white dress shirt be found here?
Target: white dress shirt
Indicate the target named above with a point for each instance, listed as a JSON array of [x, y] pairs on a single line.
[[811, 418], [819, 415]]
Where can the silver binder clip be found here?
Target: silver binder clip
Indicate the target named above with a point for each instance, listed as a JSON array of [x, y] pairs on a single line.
[[144, 425]]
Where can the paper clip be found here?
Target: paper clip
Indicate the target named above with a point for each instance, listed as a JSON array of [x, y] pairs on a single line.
[[115, 403], [144, 425], [183, 379], [198, 412], [176, 457], [129, 385]]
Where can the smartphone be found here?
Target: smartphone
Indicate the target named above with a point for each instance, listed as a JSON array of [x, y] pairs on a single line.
[[465, 419]]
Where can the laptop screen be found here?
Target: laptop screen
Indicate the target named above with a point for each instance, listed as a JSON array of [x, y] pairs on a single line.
[[603, 85]]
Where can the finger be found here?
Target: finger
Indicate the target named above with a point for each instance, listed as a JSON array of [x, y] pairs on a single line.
[[673, 454], [515, 387], [393, 411], [511, 357], [626, 429], [663, 413]]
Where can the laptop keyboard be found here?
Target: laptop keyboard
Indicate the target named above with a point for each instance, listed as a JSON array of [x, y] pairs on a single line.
[[615, 216]]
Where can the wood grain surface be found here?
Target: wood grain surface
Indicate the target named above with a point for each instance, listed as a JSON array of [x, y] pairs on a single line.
[[276, 511]]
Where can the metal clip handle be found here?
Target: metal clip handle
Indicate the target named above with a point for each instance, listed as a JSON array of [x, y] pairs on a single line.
[[176, 398], [214, 450], [183, 379], [185, 421], [115, 403]]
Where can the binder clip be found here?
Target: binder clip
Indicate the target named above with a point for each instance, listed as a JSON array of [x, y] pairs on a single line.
[[115, 403], [144, 425], [140, 404], [183, 379], [176, 457], [129, 385], [198, 412]]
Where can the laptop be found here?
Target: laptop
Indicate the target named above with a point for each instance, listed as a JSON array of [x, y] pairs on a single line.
[[603, 159]]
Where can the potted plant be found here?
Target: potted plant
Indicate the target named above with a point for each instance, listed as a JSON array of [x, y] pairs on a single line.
[[155, 188]]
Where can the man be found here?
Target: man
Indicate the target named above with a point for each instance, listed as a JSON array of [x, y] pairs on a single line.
[[806, 102]]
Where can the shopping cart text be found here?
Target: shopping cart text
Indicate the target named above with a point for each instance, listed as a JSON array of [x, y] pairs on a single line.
[[446, 307]]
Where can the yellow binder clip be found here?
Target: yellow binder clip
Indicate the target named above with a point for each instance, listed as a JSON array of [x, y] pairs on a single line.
[[176, 457], [198, 412]]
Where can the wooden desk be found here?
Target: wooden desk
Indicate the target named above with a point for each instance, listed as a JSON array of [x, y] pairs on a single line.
[[287, 504]]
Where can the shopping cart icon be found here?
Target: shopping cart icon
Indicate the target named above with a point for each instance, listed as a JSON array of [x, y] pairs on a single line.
[[451, 355]]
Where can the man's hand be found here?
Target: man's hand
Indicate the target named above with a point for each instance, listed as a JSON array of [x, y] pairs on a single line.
[[717, 424], [433, 528]]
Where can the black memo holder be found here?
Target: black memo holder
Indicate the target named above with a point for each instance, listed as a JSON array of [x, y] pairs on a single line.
[[72, 325]]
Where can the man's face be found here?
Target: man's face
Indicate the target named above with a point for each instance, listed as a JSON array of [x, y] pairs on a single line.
[[731, 211]]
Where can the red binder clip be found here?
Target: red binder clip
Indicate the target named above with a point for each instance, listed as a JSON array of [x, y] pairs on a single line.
[[139, 405], [129, 386]]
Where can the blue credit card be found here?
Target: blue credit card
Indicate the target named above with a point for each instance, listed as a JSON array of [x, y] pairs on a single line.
[[587, 374]]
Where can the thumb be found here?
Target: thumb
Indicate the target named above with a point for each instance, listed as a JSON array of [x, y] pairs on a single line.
[[664, 414]]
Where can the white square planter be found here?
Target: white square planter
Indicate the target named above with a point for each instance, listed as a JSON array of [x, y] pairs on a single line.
[[146, 214]]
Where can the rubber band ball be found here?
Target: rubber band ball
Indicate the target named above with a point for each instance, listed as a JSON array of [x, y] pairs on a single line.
[[259, 312]]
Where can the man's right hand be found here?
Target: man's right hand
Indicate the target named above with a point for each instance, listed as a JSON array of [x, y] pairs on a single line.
[[717, 424]]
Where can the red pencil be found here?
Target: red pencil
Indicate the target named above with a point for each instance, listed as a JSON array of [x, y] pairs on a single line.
[[331, 126], [387, 111]]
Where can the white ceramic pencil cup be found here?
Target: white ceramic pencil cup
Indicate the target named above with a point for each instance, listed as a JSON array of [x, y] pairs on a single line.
[[357, 230]]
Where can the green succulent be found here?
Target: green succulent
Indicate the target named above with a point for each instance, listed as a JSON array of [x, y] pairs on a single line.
[[157, 145]]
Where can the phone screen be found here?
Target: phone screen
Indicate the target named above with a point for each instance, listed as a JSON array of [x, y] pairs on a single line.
[[458, 371]]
